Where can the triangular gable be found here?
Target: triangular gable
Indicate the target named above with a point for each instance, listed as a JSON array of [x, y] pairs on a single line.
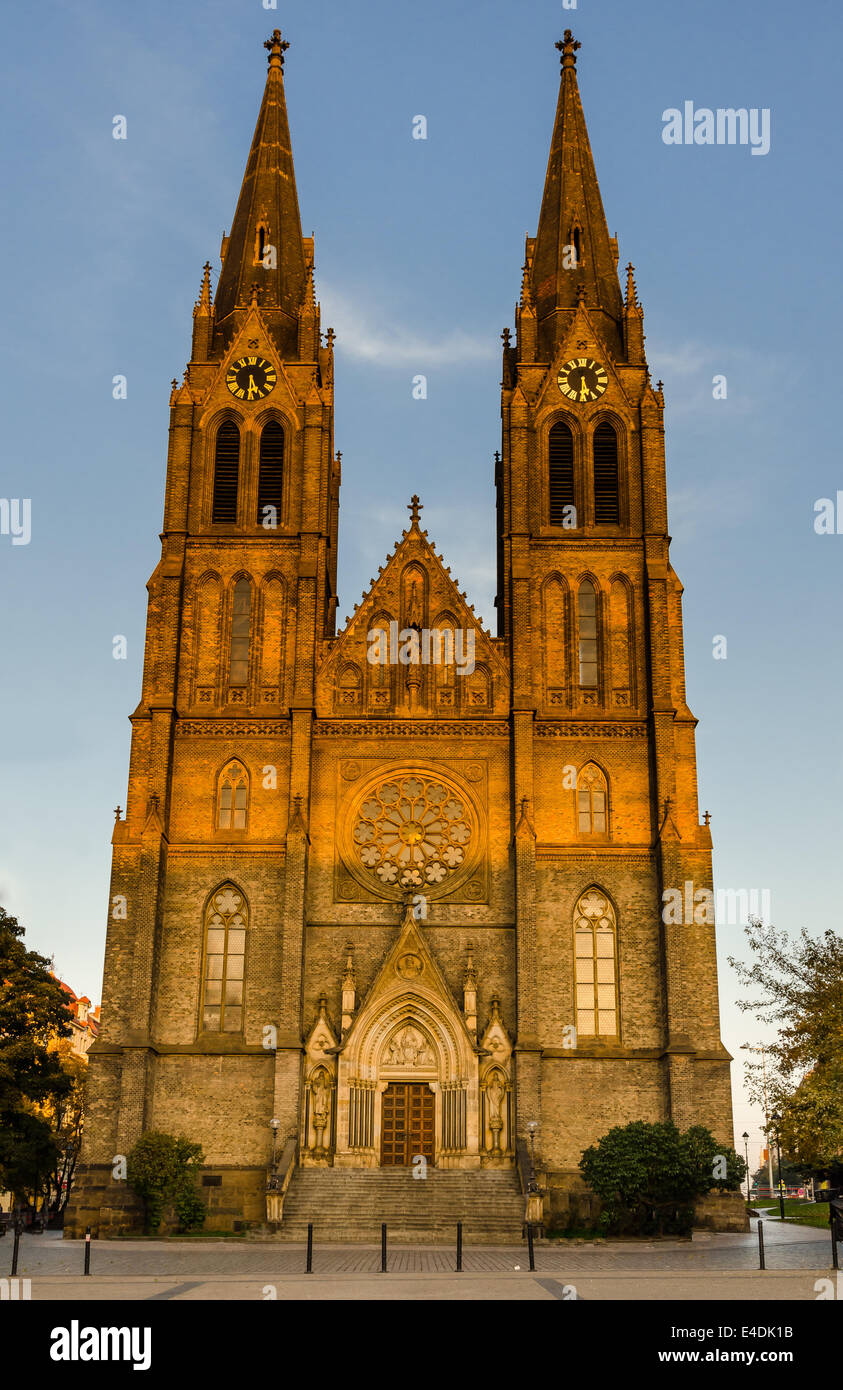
[[582, 340], [253, 340], [410, 974], [435, 600]]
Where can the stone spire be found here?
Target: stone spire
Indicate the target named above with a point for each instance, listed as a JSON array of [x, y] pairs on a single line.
[[265, 243], [203, 319], [573, 250]]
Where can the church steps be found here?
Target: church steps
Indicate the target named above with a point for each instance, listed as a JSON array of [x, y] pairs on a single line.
[[350, 1205]]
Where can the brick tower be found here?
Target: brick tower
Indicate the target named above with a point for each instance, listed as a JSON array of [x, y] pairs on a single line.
[[604, 764], [368, 905]]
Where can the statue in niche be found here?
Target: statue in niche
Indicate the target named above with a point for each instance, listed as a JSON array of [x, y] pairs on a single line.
[[495, 1098], [320, 1090]]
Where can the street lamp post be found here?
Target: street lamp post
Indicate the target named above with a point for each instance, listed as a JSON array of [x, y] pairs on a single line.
[[776, 1119], [274, 1126], [745, 1138], [531, 1130]]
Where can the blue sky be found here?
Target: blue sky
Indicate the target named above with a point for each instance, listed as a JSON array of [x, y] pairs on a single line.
[[419, 248]]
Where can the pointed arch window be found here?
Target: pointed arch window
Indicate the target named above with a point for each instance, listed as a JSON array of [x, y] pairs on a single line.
[[232, 797], [592, 801], [560, 470], [606, 493], [226, 922], [241, 619], [270, 475], [595, 963], [226, 473], [587, 634]]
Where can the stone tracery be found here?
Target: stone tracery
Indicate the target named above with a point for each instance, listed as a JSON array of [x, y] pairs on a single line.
[[413, 832]]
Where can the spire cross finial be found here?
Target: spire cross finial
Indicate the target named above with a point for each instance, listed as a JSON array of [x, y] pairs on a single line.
[[331, 337], [414, 507], [118, 811], [505, 337], [277, 48], [568, 47]]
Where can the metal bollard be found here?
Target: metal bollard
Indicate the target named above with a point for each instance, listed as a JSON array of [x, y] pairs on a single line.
[[459, 1247], [309, 1269], [835, 1262], [762, 1265], [530, 1249], [87, 1249], [15, 1250], [383, 1248]]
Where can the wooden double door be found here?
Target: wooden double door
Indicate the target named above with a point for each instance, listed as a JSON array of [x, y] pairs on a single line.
[[408, 1123]]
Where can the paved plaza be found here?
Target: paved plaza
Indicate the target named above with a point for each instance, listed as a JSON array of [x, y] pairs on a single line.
[[718, 1267]]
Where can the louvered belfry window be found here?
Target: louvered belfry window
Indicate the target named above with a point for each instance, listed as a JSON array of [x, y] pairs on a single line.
[[270, 475], [560, 473], [226, 472], [606, 499]]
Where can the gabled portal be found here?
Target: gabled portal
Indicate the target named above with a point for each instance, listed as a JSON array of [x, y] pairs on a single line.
[[409, 1068]]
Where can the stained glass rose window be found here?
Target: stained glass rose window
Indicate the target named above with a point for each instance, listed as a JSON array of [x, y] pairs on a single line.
[[412, 832]]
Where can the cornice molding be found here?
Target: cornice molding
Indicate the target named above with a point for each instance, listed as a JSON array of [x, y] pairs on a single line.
[[544, 729], [376, 728]]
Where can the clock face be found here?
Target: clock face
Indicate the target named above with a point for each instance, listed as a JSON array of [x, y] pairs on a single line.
[[250, 378], [582, 379]]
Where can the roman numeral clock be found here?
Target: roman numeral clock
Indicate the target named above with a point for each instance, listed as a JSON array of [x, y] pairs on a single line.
[[250, 378], [582, 379]]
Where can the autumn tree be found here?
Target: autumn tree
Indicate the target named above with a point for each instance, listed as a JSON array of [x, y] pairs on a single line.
[[796, 987], [33, 1017]]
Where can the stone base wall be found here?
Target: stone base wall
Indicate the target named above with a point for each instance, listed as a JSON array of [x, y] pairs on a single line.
[[721, 1211], [570, 1205], [111, 1209]]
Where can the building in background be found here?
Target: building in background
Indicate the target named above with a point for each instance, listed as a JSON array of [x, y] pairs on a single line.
[[84, 1019]]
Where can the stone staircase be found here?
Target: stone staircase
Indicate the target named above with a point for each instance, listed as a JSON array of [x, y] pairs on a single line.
[[347, 1205]]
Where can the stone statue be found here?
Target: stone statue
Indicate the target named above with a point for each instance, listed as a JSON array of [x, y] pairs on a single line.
[[495, 1097], [320, 1088], [409, 1049]]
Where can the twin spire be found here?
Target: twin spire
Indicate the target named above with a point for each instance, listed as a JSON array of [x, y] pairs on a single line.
[[265, 246], [573, 258], [571, 261]]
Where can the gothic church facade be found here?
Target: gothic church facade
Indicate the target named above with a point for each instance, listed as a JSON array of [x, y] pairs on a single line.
[[363, 910]]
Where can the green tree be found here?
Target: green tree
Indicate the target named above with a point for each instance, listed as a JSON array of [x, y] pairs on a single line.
[[797, 987], [812, 1121], [648, 1176], [65, 1114], [162, 1170], [33, 1015]]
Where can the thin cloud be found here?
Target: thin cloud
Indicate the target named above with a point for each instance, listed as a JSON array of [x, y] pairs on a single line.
[[372, 337]]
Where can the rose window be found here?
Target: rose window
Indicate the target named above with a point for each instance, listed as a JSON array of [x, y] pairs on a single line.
[[412, 832]]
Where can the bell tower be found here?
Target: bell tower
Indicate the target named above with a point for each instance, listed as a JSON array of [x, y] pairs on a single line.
[[603, 759], [240, 605]]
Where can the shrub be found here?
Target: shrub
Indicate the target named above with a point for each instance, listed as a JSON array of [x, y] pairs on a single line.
[[162, 1170], [648, 1176]]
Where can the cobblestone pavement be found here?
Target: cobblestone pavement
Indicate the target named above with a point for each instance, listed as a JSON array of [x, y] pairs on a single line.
[[787, 1248]]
